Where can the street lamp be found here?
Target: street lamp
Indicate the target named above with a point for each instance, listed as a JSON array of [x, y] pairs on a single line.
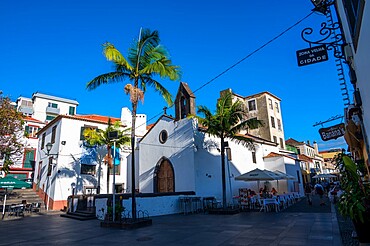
[[321, 5], [113, 135], [49, 146], [73, 186]]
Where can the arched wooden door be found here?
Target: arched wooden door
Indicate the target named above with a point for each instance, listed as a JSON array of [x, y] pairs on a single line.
[[165, 177]]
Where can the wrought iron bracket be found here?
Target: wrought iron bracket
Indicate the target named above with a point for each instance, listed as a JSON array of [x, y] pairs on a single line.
[[330, 33]]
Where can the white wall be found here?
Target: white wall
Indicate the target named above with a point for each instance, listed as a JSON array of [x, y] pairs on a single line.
[[67, 166], [178, 148], [40, 104], [361, 60]]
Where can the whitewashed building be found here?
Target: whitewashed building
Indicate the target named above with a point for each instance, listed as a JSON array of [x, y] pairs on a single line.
[[178, 156], [70, 165]]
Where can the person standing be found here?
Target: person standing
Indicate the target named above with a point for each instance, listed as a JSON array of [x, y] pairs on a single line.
[[308, 191]]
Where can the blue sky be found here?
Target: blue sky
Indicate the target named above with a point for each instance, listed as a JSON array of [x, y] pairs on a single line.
[[54, 47]]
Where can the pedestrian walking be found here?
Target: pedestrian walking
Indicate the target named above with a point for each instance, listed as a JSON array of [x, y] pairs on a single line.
[[319, 189], [308, 193]]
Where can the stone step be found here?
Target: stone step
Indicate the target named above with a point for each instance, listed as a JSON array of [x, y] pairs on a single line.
[[79, 216]]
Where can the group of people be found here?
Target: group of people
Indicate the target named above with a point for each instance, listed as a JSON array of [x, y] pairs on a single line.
[[318, 189]]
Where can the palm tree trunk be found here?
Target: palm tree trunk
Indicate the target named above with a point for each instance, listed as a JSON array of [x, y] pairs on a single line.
[[223, 172], [133, 181]]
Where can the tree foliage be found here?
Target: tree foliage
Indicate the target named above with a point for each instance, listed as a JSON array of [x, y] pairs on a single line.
[[147, 60], [230, 118], [11, 133], [99, 137]]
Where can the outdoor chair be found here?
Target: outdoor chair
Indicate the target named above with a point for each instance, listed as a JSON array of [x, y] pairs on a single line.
[[36, 207]]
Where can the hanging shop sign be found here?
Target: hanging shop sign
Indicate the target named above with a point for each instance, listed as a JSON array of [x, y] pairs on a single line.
[[332, 132], [312, 55]]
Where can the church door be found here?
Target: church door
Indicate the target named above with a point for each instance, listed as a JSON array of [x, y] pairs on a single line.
[[165, 179]]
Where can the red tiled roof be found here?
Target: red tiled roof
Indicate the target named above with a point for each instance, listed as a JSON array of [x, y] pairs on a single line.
[[90, 118], [304, 158], [273, 154], [293, 142], [28, 118], [148, 127], [95, 117]]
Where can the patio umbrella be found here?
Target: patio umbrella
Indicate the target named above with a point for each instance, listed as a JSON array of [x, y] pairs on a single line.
[[11, 182], [324, 175], [258, 175], [284, 175]]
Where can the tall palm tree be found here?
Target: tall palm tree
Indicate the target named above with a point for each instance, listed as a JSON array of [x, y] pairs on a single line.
[[146, 60], [99, 137], [229, 119]]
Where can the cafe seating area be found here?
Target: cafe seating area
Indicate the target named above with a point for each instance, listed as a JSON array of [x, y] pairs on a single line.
[[19, 210], [266, 202]]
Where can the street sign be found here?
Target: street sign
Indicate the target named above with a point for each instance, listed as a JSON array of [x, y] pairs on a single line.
[[332, 132], [312, 55]]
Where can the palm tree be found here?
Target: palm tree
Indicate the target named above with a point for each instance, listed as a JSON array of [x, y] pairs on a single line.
[[146, 59], [230, 118], [99, 137]]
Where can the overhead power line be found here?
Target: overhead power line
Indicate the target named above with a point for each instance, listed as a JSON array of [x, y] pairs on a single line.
[[245, 58]]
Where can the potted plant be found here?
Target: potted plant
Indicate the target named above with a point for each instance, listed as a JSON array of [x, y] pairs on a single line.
[[118, 212], [355, 200]]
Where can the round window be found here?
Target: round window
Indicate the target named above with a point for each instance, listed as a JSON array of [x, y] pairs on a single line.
[[163, 135]]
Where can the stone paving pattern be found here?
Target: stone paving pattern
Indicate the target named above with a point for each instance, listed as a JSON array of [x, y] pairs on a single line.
[[293, 226]]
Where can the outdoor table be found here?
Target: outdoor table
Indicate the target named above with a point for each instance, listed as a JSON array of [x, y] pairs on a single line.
[[190, 204], [267, 202]]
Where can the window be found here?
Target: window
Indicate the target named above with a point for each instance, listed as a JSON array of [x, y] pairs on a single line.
[[354, 10], [71, 110], [50, 117], [277, 107], [29, 156], [270, 104], [26, 103], [272, 122], [117, 170], [275, 139], [31, 131], [88, 169], [163, 135], [281, 143], [43, 141], [254, 159], [52, 105], [279, 124], [53, 132], [50, 165], [252, 105]]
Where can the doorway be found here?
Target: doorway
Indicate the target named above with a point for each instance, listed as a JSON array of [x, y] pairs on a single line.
[[164, 177]]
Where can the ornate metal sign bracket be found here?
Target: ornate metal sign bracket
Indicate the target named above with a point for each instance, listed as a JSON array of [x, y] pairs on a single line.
[[330, 33]]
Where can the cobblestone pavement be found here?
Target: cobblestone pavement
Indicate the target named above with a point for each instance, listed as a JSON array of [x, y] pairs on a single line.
[[299, 224]]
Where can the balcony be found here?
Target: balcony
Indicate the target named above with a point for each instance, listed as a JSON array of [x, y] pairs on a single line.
[[26, 110], [51, 110]]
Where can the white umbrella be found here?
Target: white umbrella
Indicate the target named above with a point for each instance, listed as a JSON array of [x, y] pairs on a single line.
[[324, 175], [284, 175], [258, 175]]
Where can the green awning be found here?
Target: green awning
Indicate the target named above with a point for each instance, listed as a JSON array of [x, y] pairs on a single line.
[[11, 182]]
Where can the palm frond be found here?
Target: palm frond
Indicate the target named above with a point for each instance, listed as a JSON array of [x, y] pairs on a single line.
[[112, 77], [159, 88], [112, 54], [243, 140]]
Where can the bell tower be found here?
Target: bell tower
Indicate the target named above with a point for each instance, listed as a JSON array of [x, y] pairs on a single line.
[[184, 102]]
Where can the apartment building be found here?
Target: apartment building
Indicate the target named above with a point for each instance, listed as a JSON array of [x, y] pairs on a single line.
[[266, 107]]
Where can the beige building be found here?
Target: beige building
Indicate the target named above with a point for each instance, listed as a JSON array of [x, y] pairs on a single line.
[[265, 107]]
